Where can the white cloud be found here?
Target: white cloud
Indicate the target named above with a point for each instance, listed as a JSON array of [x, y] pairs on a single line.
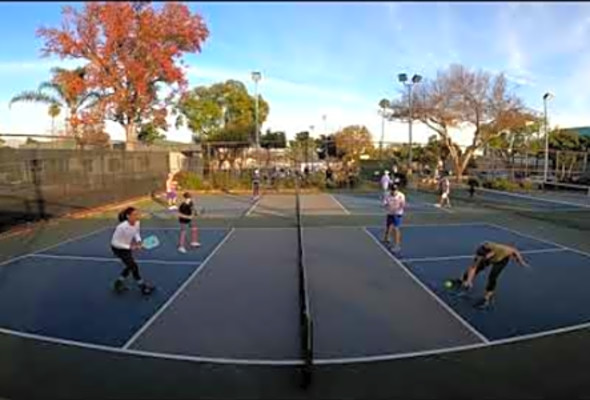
[[40, 65]]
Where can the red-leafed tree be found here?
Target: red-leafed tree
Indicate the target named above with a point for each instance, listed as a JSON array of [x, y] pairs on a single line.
[[132, 50]]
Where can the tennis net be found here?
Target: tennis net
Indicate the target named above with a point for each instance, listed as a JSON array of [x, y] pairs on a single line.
[[306, 328]]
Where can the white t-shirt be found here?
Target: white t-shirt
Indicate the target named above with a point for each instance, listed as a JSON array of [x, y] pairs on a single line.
[[385, 182], [124, 235], [395, 204], [445, 186]]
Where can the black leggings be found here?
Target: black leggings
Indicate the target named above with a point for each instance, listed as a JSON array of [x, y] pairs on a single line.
[[130, 264], [497, 268]]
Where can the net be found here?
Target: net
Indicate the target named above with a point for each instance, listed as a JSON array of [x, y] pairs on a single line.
[[304, 307]]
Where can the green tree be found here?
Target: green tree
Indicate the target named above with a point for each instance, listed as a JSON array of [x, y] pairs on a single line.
[[209, 110], [149, 133], [564, 147], [352, 142], [273, 140], [303, 148]]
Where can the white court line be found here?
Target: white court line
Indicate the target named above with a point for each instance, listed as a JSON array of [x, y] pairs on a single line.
[[292, 362], [252, 207], [94, 232], [426, 259], [177, 293], [456, 349], [83, 258], [541, 240], [132, 352], [340, 205], [533, 199], [430, 292]]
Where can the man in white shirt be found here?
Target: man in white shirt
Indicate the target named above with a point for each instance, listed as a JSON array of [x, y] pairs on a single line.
[[445, 192], [385, 184], [394, 204]]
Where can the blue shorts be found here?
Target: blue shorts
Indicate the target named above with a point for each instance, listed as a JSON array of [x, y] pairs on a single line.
[[395, 220]]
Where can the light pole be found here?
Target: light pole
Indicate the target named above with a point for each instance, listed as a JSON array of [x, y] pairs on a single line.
[[256, 76], [403, 78], [547, 96]]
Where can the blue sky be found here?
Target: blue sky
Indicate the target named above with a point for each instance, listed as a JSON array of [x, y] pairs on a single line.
[[341, 59]]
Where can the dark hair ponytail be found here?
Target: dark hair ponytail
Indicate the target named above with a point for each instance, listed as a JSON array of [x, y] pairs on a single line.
[[124, 215]]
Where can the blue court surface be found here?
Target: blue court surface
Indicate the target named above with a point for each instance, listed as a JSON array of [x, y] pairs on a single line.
[[65, 292], [552, 294], [244, 305], [371, 204]]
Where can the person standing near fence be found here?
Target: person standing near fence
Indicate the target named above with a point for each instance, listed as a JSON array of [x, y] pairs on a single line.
[[171, 195], [256, 185], [385, 184], [445, 191]]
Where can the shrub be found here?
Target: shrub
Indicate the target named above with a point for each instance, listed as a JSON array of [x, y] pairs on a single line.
[[189, 180]]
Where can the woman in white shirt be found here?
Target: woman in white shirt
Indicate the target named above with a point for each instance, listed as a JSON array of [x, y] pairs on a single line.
[[125, 239]]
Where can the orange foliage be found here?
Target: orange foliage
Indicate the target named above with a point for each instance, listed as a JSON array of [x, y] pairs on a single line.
[[130, 48]]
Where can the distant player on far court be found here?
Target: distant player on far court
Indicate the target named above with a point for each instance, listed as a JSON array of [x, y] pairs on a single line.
[[394, 204], [125, 239], [385, 184], [256, 184], [488, 253], [186, 217], [171, 196], [445, 192]]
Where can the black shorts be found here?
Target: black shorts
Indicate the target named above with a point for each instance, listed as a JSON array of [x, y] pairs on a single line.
[[188, 222]]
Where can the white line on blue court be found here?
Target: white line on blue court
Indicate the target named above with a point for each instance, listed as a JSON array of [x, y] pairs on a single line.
[[425, 259], [540, 240], [80, 237], [444, 305], [177, 293], [109, 259]]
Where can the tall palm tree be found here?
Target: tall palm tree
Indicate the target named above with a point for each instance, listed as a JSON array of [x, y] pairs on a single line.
[[53, 111], [55, 94]]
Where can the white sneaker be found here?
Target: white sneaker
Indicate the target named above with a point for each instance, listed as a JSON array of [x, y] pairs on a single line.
[[195, 244], [396, 249], [182, 249], [173, 208], [437, 205]]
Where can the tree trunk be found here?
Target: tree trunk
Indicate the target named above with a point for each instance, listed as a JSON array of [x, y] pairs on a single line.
[[130, 135]]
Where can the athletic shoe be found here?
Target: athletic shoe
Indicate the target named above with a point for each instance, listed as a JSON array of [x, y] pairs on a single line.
[[119, 286], [146, 288], [482, 304], [195, 244], [173, 208], [396, 249], [182, 249], [437, 205]]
